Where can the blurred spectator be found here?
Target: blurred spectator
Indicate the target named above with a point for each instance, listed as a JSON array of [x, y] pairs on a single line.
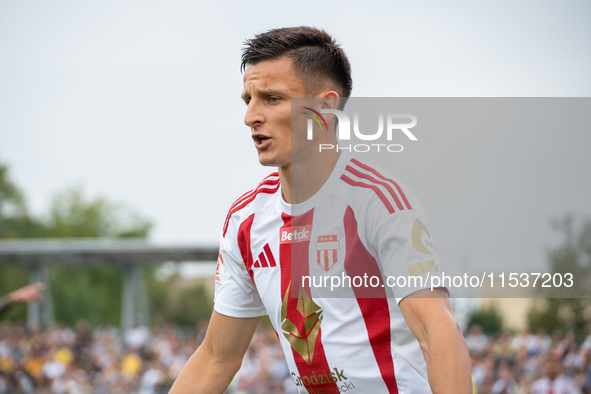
[[523, 341], [554, 382], [61, 360], [505, 384], [540, 343], [137, 337], [502, 348], [64, 360], [523, 383], [131, 364], [476, 340], [152, 379]]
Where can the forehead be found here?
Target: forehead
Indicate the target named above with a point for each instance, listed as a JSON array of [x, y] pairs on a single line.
[[276, 74]]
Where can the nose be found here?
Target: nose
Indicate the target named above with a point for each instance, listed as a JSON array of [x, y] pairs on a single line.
[[253, 116]]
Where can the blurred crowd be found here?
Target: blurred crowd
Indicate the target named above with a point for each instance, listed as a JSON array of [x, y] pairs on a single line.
[[64, 360], [78, 360], [528, 363]]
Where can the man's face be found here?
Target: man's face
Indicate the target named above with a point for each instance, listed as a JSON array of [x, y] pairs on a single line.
[[268, 89]]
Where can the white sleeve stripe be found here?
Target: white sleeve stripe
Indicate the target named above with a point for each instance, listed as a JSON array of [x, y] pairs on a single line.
[[368, 179]]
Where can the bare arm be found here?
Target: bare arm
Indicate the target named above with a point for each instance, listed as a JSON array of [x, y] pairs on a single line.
[[444, 348], [212, 367], [25, 294]]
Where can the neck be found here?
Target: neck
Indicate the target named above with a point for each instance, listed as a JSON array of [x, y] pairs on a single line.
[[304, 177]]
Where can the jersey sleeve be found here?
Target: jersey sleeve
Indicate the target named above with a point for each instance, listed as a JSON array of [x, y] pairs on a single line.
[[407, 252], [235, 293]]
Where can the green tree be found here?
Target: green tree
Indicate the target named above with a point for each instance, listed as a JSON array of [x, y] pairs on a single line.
[[488, 318], [176, 299], [572, 256], [92, 293], [12, 202], [544, 314], [15, 221], [73, 215]]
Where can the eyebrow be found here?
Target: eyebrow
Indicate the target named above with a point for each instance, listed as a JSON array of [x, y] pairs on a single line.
[[264, 92]]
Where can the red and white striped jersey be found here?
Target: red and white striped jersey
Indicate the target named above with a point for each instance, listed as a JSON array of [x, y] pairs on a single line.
[[361, 222]]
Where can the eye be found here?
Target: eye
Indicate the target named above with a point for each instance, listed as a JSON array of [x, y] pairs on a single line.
[[273, 99]]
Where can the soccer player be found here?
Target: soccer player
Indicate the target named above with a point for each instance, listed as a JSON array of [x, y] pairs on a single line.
[[366, 342]]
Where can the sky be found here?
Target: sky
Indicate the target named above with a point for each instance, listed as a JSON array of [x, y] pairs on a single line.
[[139, 102]]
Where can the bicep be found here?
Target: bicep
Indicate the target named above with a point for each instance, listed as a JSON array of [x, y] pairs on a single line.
[[228, 338], [212, 367], [427, 312]]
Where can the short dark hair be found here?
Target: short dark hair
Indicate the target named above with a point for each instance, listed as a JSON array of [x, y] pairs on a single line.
[[315, 54]]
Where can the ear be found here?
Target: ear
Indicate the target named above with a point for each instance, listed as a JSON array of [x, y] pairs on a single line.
[[330, 100]]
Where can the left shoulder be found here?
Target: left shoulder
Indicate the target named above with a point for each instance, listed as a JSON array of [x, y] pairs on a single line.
[[366, 184]]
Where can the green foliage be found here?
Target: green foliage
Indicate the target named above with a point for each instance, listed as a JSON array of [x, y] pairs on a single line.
[[12, 278], [15, 222], [564, 314], [93, 294], [12, 202], [544, 314], [488, 318], [72, 215], [572, 256], [178, 300], [193, 306]]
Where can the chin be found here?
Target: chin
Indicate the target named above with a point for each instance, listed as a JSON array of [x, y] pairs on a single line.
[[267, 162], [270, 161]]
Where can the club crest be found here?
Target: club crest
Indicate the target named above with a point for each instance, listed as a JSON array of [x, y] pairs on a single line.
[[326, 251]]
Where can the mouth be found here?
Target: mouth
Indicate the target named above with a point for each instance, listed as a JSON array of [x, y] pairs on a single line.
[[259, 137], [261, 141]]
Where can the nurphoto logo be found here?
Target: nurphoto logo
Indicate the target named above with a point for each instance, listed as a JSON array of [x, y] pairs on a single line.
[[393, 125]]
